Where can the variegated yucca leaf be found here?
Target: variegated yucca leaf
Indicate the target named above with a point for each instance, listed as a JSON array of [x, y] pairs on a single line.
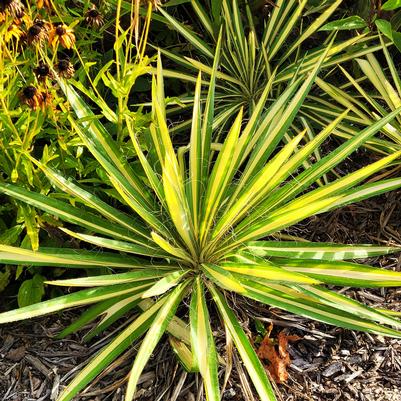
[[190, 228], [248, 60], [367, 98]]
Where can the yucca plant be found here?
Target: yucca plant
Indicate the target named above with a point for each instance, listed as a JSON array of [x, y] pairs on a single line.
[[249, 61], [202, 221], [368, 97]]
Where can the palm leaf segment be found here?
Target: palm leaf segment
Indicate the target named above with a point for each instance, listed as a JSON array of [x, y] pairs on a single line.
[[202, 225]]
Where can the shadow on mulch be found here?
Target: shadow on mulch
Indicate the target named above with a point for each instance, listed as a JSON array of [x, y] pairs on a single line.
[[328, 364]]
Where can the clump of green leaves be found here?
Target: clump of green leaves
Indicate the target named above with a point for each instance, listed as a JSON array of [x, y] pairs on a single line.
[[34, 118], [280, 48], [373, 90], [204, 222], [31, 119]]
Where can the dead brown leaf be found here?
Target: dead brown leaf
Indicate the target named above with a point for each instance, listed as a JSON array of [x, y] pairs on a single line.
[[276, 353]]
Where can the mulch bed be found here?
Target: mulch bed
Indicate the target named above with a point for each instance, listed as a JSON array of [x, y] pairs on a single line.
[[328, 364]]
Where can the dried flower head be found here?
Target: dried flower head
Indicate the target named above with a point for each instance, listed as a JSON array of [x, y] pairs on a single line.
[[32, 97], [93, 17], [42, 71], [37, 33], [13, 7], [65, 68], [62, 34]]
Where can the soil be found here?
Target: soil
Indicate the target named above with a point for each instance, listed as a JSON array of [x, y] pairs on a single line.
[[328, 363]]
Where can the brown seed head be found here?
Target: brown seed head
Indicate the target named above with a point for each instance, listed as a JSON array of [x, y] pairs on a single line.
[[32, 97], [65, 68], [36, 33], [60, 30], [42, 71], [29, 92], [94, 18], [62, 34]]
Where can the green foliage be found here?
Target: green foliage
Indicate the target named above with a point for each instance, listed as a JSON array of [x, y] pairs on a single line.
[[391, 5], [387, 30], [31, 291], [200, 221], [371, 90], [353, 22], [35, 124], [162, 225], [31, 120], [4, 278], [255, 56]]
